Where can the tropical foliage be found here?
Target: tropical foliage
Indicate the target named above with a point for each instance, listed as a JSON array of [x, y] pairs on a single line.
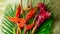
[[9, 27]]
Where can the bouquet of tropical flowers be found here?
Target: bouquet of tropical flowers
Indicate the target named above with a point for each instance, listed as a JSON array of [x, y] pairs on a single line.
[[35, 19]]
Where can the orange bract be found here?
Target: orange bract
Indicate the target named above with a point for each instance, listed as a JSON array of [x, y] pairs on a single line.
[[21, 20], [21, 25], [31, 13], [18, 11], [17, 20], [30, 26]]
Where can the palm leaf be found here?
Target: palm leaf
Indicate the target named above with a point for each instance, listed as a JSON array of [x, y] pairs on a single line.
[[7, 27], [45, 28]]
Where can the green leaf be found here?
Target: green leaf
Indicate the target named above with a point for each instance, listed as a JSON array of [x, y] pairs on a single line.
[[45, 27], [31, 20], [8, 25]]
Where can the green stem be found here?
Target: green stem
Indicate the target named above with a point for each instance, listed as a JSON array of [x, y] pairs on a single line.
[[14, 31]]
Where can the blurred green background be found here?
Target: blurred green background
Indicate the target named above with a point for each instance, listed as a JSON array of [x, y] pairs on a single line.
[[55, 4]]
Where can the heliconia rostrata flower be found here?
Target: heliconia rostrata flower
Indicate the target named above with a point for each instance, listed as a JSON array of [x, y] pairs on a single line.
[[43, 15]]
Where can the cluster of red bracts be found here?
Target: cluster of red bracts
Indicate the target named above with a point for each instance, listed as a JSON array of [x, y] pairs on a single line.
[[43, 15], [21, 21]]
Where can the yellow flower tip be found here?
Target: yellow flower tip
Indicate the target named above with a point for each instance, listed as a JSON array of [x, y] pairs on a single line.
[[26, 9], [8, 17]]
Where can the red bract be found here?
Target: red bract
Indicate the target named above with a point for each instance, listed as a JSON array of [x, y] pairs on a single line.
[[43, 16], [22, 20], [17, 20], [21, 25], [42, 6], [18, 11], [31, 13], [46, 15], [41, 11], [30, 26]]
